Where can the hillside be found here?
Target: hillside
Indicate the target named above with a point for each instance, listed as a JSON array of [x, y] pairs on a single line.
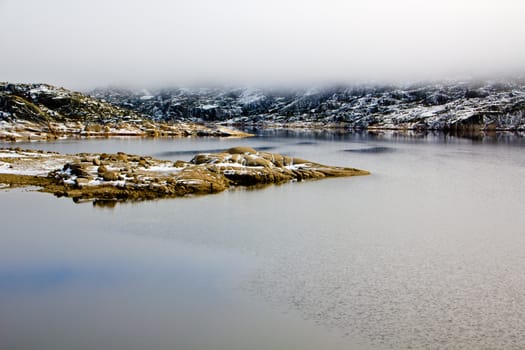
[[445, 106], [41, 111]]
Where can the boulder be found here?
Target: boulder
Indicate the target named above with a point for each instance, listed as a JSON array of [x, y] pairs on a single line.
[[101, 169], [110, 176], [122, 156], [241, 150], [77, 169], [81, 181], [256, 161]]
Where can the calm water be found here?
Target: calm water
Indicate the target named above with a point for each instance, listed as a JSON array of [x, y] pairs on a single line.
[[426, 253]]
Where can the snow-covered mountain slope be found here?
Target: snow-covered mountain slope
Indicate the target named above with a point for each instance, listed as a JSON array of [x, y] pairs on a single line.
[[43, 102], [42, 112], [436, 106]]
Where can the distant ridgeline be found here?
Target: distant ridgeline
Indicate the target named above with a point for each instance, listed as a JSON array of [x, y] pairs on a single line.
[[471, 106], [468, 105], [43, 103]]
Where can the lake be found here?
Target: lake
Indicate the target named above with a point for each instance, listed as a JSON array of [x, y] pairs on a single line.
[[425, 253]]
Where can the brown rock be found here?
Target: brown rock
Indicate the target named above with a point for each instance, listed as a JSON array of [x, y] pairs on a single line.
[[81, 181], [257, 161], [143, 163], [241, 150], [122, 156], [77, 169], [110, 176], [179, 164], [101, 169]]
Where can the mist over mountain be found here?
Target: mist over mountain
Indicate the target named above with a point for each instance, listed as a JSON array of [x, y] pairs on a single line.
[[82, 45], [493, 104]]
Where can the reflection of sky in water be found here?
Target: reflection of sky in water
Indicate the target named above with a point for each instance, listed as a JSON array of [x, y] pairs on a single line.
[[123, 284], [43, 277], [36, 278]]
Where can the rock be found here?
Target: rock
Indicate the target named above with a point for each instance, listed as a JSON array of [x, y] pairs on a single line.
[[143, 163], [101, 169], [77, 169], [122, 156], [200, 159], [241, 150], [96, 161], [110, 176], [179, 164], [257, 161], [81, 181]]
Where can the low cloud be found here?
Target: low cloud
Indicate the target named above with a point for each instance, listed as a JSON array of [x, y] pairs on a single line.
[[154, 42]]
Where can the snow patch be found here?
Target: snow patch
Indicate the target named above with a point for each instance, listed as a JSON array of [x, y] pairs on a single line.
[[297, 166], [164, 168], [208, 107]]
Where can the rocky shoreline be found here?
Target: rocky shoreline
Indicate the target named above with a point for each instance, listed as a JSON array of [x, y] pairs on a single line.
[[23, 130], [121, 176]]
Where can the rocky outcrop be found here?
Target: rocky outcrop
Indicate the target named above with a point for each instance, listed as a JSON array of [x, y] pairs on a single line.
[[123, 176], [44, 112], [469, 105], [247, 167]]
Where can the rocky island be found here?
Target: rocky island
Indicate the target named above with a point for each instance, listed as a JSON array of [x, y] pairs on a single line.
[[121, 176]]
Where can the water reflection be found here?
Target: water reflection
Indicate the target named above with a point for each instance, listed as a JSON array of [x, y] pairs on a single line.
[[378, 149], [304, 143], [105, 203]]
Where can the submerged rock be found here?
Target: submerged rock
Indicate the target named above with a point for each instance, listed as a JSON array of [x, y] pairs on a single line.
[[148, 178]]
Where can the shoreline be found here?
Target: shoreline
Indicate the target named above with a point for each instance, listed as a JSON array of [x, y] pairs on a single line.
[[23, 130], [347, 127]]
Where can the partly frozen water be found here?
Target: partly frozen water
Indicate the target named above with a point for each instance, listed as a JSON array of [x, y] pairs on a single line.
[[426, 253]]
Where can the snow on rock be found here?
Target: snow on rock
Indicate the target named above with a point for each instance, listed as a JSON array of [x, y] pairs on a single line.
[[125, 176]]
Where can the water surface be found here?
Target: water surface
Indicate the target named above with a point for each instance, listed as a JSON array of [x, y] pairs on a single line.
[[426, 252]]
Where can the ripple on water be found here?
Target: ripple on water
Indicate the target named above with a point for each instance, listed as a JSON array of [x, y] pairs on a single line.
[[399, 298]]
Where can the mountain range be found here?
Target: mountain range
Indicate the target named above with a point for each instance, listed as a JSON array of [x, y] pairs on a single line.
[[455, 105], [452, 105]]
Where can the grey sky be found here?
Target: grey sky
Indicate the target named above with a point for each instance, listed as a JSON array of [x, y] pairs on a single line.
[[83, 44]]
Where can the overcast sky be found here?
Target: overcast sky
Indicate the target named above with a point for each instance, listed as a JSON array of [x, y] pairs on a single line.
[[85, 44]]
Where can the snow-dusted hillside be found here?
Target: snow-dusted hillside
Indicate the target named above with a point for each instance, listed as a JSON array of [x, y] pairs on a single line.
[[42, 112], [43, 102], [436, 106]]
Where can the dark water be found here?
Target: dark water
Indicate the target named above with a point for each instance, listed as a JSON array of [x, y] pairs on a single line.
[[426, 253]]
